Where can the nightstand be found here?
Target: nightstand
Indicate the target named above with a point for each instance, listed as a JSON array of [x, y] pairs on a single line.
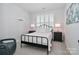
[[58, 36], [31, 31]]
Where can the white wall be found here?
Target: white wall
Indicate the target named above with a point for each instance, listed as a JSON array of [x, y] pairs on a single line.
[[72, 36], [58, 15], [13, 28], [1, 20]]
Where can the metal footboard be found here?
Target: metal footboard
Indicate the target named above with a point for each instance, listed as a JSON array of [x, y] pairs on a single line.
[[28, 37]]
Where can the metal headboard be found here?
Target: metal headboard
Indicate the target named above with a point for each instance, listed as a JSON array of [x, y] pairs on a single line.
[[46, 26]]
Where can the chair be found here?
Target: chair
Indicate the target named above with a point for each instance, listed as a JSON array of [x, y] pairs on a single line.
[[7, 46]]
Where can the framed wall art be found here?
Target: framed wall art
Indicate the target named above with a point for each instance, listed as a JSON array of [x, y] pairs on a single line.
[[72, 14]]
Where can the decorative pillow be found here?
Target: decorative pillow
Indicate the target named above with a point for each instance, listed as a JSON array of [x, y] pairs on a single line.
[[43, 30]]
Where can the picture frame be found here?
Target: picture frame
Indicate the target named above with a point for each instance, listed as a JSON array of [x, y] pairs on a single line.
[[72, 14]]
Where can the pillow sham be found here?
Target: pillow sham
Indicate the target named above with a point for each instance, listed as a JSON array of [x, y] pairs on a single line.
[[43, 30]]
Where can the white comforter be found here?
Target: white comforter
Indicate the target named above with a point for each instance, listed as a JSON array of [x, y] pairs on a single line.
[[44, 41]]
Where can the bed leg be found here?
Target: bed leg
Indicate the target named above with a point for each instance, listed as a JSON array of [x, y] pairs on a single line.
[[21, 42], [21, 45], [48, 52]]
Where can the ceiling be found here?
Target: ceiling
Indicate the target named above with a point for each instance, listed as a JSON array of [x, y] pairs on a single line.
[[34, 7]]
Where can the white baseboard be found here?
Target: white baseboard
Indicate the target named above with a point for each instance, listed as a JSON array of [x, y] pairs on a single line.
[[67, 49]]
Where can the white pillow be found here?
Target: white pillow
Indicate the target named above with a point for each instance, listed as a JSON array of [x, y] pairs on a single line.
[[43, 30]]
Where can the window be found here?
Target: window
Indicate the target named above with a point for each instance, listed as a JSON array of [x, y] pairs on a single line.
[[44, 19]]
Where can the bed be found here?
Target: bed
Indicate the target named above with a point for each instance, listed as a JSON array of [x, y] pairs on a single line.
[[43, 37]]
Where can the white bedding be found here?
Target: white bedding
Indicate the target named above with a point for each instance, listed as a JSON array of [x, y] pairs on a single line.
[[44, 41]]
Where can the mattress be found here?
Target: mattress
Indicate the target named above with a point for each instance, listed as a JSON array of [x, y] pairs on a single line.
[[48, 35]]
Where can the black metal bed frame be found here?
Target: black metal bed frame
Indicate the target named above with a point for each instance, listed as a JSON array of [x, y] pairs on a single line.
[[32, 43]]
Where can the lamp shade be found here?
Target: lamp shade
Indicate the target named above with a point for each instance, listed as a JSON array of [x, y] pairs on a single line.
[[57, 25], [32, 25]]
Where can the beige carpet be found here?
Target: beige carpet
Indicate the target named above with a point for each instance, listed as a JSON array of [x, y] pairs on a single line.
[[58, 48]]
